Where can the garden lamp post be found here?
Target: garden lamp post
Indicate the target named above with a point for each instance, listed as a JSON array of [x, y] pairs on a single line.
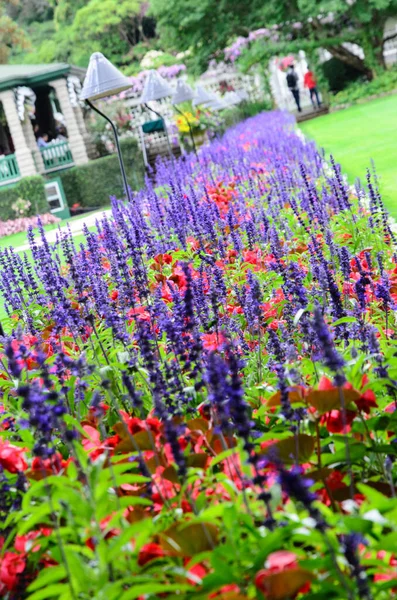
[[184, 93], [208, 99], [102, 80], [157, 88]]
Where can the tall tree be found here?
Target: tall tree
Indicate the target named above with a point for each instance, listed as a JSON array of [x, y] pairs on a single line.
[[209, 25], [70, 30], [11, 34], [203, 27], [332, 23], [113, 27]]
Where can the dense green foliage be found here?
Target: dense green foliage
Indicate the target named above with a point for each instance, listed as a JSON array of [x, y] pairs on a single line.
[[338, 74], [243, 111], [359, 90], [70, 30], [28, 188], [308, 25], [124, 30], [207, 27], [11, 35], [204, 27], [92, 184]]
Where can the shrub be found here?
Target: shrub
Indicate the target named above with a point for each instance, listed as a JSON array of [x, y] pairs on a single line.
[[23, 223], [243, 111], [28, 188], [339, 75], [359, 90], [92, 184]]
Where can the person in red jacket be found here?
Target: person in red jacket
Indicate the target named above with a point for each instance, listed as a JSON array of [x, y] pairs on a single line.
[[310, 82]]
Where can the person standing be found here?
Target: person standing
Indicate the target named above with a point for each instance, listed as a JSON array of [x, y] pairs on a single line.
[[292, 82], [310, 82]]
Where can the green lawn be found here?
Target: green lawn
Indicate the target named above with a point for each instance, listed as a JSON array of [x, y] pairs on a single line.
[[356, 135]]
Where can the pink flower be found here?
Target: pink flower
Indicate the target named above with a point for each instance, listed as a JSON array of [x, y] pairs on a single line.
[[11, 565], [12, 458], [213, 341]]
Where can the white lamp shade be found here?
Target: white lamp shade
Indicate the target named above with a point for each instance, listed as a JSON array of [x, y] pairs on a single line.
[[202, 97], [102, 79], [242, 94], [183, 92], [217, 104], [232, 98], [155, 88]]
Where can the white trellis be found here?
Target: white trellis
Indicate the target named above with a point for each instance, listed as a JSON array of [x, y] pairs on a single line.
[[219, 78], [222, 77], [278, 84], [390, 48]]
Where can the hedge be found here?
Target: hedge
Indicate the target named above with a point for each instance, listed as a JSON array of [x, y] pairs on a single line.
[[92, 184], [28, 188], [383, 83]]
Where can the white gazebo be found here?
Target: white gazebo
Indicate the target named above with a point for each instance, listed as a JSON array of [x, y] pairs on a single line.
[[34, 98]]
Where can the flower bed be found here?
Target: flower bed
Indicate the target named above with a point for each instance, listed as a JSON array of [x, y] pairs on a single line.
[[23, 223], [201, 403]]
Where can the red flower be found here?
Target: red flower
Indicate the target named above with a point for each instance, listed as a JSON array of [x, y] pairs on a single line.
[[250, 256], [333, 421], [12, 458], [140, 313], [227, 591], [368, 399], [213, 341], [279, 562], [44, 467], [334, 482], [149, 552], [11, 565], [162, 259], [24, 543], [93, 443]]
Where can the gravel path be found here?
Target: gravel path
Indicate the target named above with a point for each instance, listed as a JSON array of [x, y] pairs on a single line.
[[76, 227]]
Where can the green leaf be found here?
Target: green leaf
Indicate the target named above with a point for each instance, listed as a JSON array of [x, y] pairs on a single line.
[[376, 499], [221, 456], [71, 421], [51, 591], [189, 539], [344, 320], [46, 576], [357, 452], [36, 518], [296, 447], [388, 542], [145, 589], [326, 400]]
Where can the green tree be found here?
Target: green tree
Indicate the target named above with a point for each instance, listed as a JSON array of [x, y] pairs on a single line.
[[204, 27], [208, 26], [113, 27], [330, 23], [11, 35], [70, 30]]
